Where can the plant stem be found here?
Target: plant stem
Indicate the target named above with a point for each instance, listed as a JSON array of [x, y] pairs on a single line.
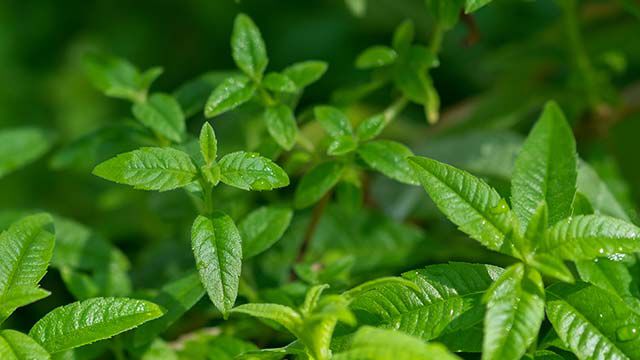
[[394, 109], [436, 39], [316, 215]]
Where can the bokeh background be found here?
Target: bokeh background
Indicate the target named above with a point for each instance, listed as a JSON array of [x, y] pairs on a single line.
[[496, 70]]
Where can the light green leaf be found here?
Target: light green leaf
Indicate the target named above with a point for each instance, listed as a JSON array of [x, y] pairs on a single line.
[[262, 228], [389, 158], [281, 124], [377, 344], [283, 315], [371, 127], [317, 182], [447, 299], [217, 247], [20, 296], [15, 345], [586, 237], [550, 265], [279, 82], [467, 201], [592, 323], [403, 36], [334, 121], [162, 114], [25, 251], [87, 321], [537, 226], [250, 171], [231, 93], [598, 193], [248, 48], [208, 143], [159, 350], [613, 276], [118, 78], [515, 310], [21, 146], [357, 7], [473, 5], [149, 168], [376, 56], [177, 297], [546, 168], [305, 73], [341, 145]]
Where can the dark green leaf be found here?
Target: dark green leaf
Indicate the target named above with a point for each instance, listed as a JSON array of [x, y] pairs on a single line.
[[305, 73], [317, 182], [371, 127], [341, 145], [262, 228], [334, 121], [279, 82], [403, 36], [376, 56], [21, 146]]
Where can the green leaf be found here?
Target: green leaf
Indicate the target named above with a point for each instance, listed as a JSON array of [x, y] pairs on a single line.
[[283, 315], [403, 36], [305, 73], [467, 201], [377, 344], [15, 345], [341, 145], [334, 121], [537, 225], [586, 237], [389, 158], [551, 266], [279, 82], [118, 78], [250, 171], [231, 93], [448, 299], [546, 169], [149, 168], [281, 124], [21, 146], [20, 296], [376, 56], [25, 251], [248, 48], [87, 321], [162, 114], [177, 297], [613, 276], [317, 182], [208, 143], [312, 298], [217, 248], [473, 5], [262, 228], [515, 310], [357, 7], [371, 127], [592, 323]]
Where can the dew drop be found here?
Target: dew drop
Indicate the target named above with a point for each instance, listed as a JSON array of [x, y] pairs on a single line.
[[601, 251], [501, 208], [627, 333], [260, 184]]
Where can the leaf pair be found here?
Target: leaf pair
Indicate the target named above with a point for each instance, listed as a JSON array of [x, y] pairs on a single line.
[[165, 169], [250, 55]]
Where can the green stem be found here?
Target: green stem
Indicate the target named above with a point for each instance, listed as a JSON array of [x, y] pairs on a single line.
[[436, 39], [395, 108]]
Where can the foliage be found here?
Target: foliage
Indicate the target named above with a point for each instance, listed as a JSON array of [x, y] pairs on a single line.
[[282, 211]]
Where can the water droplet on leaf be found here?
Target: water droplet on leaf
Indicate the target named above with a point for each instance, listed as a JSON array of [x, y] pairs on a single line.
[[501, 208], [260, 184], [627, 333]]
